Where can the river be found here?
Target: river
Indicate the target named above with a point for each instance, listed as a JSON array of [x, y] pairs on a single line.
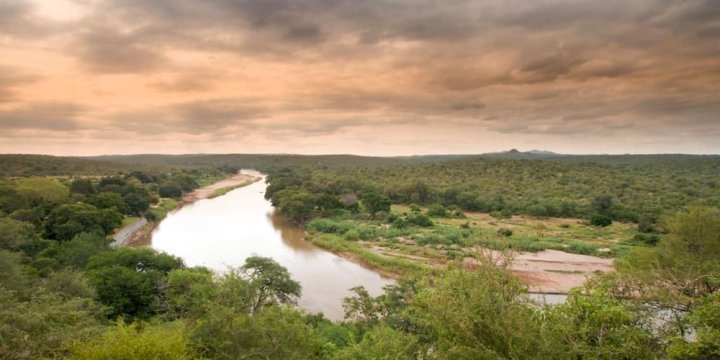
[[222, 232]]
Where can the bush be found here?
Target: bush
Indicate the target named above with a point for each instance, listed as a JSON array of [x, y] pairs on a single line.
[[352, 235], [328, 226], [420, 220], [600, 220], [170, 191], [505, 232], [646, 239], [437, 210], [501, 214]]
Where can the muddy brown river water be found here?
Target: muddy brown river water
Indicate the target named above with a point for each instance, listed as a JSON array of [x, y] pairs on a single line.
[[222, 232]]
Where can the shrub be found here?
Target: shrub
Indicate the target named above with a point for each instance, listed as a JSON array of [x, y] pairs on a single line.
[[501, 214], [505, 232], [437, 210], [600, 220], [420, 220], [328, 226], [352, 234]]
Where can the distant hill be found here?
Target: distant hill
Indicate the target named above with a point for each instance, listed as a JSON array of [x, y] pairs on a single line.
[[515, 154]]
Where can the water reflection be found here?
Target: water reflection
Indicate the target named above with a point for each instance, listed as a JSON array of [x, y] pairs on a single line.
[[223, 232]]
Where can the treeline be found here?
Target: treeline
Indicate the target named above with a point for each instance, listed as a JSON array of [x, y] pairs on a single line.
[[127, 303], [625, 189], [18, 165], [64, 208]]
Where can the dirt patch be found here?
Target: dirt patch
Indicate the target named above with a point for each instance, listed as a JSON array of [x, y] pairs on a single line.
[[552, 271]]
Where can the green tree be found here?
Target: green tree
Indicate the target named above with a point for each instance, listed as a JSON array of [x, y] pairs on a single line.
[[677, 274], [273, 333], [39, 190], [130, 342], [594, 325], [76, 252], [272, 283], [187, 292], [82, 186], [705, 320], [66, 221], [108, 200], [382, 342], [19, 236], [128, 280], [45, 325], [375, 203], [481, 314]]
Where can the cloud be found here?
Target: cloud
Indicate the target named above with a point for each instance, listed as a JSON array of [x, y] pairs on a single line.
[[43, 116], [106, 50], [313, 68], [10, 80], [193, 117], [187, 83]]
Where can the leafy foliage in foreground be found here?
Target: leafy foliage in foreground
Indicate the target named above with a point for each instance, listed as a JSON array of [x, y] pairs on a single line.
[[63, 290]]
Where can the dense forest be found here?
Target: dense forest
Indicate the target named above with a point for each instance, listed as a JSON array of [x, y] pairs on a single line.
[[65, 293]]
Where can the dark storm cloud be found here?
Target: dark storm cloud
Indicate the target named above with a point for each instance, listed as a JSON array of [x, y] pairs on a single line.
[[42, 116]]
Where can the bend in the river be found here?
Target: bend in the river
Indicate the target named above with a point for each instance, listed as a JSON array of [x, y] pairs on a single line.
[[222, 232]]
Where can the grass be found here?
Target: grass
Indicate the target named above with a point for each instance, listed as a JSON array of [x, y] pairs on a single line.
[[417, 249], [129, 220], [163, 207], [388, 264]]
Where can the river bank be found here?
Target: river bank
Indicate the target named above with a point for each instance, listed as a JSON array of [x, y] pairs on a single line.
[[221, 233], [547, 271]]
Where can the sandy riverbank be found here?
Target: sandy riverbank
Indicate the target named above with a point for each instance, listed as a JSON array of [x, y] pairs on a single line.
[[238, 180], [548, 271]]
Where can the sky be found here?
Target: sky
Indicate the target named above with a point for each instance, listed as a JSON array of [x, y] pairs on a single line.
[[370, 77]]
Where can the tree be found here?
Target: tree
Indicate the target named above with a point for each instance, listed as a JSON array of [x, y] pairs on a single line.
[[108, 200], [375, 203], [76, 252], [273, 333], [676, 275], [43, 327], [128, 279], [705, 320], [602, 204], [593, 324], [600, 220], [138, 201], [170, 191], [271, 282], [297, 205], [482, 314], [66, 221], [38, 190], [129, 342], [187, 291], [382, 342], [19, 236], [82, 186]]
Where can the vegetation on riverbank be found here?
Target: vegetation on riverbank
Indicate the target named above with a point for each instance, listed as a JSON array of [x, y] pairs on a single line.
[[65, 294]]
